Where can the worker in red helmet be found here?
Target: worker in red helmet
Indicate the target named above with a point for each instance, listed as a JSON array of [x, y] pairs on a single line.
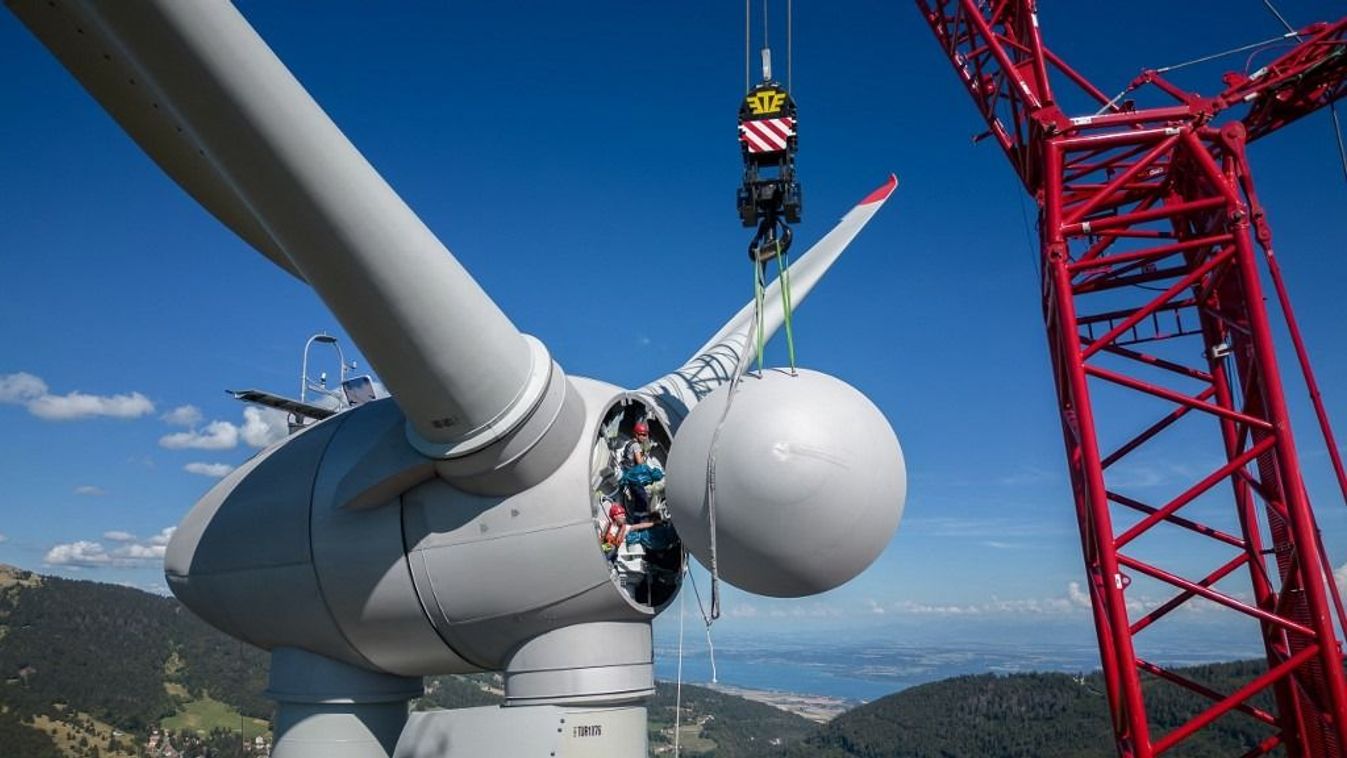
[[616, 532], [633, 454]]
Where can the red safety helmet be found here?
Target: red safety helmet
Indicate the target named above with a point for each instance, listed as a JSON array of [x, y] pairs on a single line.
[[616, 510], [640, 428]]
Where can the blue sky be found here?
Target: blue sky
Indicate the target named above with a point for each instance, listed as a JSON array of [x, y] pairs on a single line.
[[581, 162]]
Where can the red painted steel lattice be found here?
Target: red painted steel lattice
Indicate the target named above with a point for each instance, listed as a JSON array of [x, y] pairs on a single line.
[[1156, 327]]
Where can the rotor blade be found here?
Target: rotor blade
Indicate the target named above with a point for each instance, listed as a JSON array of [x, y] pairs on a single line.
[[102, 67], [715, 363], [455, 364]]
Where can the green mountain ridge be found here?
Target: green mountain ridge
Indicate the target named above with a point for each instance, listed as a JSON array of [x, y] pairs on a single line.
[[84, 659]]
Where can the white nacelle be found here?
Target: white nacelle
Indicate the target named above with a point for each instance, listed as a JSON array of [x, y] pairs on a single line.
[[346, 542], [809, 482]]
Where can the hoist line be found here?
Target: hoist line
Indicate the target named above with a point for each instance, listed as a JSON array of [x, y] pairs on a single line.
[[748, 44], [766, 38]]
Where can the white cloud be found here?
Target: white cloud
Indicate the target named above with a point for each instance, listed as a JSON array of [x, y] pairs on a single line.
[[81, 553], [4, 537], [218, 435], [1078, 597], [214, 470], [75, 405], [1074, 601], [89, 490], [264, 426], [21, 388], [129, 553], [260, 428], [31, 392], [136, 551], [183, 415]]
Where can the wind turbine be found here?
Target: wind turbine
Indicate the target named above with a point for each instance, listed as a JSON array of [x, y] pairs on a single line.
[[454, 526]]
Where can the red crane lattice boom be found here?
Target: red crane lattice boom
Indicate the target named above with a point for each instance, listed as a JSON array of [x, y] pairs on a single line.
[[1152, 299]]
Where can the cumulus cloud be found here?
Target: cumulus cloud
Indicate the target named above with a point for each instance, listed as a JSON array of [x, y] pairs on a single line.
[[214, 470], [4, 537], [183, 415], [217, 435], [89, 490], [31, 392], [129, 551], [264, 426], [1078, 597], [83, 553], [135, 551], [260, 428], [74, 405], [20, 388]]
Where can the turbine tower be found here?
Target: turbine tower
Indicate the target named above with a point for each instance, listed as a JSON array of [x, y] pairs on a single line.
[[454, 527]]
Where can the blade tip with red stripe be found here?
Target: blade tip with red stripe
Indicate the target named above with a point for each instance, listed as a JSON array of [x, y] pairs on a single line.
[[882, 193]]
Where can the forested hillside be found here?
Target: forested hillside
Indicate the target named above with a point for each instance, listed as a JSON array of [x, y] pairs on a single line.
[[1027, 716], [722, 725], [72, 650]]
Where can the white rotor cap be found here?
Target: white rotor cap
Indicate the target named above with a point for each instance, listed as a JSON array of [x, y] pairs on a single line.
[[809, 483]]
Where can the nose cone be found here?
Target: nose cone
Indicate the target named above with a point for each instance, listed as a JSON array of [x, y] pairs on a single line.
[[809, 483]]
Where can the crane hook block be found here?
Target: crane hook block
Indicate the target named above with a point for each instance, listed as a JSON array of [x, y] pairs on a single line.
[[767, 141]]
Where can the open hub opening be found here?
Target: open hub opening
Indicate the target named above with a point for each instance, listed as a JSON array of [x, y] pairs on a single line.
[[635, 534]]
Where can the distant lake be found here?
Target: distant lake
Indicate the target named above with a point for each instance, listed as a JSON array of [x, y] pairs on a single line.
[[865, 670]]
